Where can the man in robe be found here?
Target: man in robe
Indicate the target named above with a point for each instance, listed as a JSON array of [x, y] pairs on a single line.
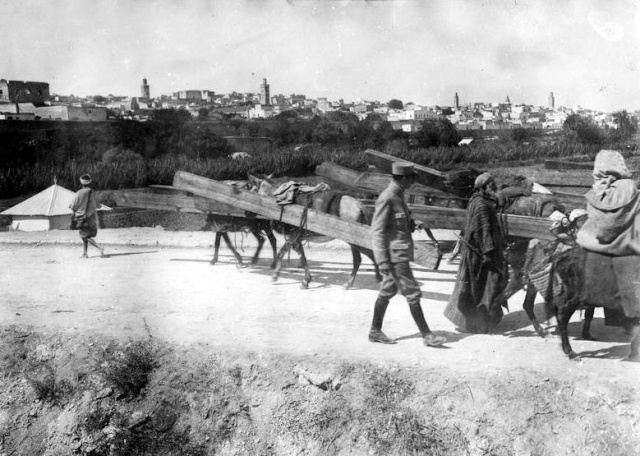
[[611, 239], [476, 303]]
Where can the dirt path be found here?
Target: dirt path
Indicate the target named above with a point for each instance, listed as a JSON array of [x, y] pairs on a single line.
[[508, 393], [180, 297]]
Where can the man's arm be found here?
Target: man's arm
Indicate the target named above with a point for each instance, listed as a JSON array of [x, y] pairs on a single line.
[[379, 240]]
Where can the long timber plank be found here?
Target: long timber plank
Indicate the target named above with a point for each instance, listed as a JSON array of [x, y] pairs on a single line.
[[426, 176], [563, 164], [377, 182], [169, 198], [318, 222], [454, 219]]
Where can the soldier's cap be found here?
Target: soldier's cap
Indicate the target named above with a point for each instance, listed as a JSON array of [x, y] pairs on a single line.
[[403, 169]]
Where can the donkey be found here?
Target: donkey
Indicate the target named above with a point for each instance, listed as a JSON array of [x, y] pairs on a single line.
[[330, 202], [525, 260], [223, 224], [571, 267]]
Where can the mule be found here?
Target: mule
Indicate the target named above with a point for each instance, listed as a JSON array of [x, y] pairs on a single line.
[[521, 258], [222, 225], [330, 202], [570, 266]]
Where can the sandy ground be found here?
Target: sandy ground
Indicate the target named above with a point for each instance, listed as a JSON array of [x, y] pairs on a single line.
[[162, 282]]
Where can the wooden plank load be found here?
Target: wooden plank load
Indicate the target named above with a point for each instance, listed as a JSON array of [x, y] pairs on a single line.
[[192, 193], [562, 164], [454, 219], [168, 198], [377, 182], [318, 222], [458, 183], [426, 176]]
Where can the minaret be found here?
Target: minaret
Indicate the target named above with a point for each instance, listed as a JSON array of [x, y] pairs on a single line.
[[552, 101], [456, 101], [264, 93], [508, 101], [145, 91]]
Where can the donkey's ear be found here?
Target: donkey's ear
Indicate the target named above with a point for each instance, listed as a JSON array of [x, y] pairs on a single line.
[[252, 178], [269, 176]]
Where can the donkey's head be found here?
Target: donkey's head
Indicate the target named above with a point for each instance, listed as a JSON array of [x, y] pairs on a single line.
[[262, 186]]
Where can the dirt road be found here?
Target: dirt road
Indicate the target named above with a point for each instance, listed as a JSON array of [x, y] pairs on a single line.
[[511, 392], [180, 297]]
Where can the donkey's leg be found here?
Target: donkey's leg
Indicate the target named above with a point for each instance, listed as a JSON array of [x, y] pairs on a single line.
[[258, 235], [565, 311], [274, 246], [225, 236], [278, 260], [216, 247], [357, 260], [297, 246], [586, 326], [369, 254], [528, 305]]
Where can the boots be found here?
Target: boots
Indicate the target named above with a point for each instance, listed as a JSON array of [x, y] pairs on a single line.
[[376, 334]]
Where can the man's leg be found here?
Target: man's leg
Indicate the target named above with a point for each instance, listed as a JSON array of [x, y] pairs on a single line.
[[410, 288], [96, 245], [387, 290], [85, 247]]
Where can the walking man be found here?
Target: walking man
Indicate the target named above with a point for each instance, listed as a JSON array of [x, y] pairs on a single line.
[[85, 204], [477, 300], [391, 229]]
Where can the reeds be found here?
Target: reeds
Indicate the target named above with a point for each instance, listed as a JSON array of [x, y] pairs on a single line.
[[28, 179]]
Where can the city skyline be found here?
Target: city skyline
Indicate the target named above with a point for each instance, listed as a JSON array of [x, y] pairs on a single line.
[[421, 52]]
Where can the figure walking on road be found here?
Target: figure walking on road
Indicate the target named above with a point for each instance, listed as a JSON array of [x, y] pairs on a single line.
[[391, 229], [476, 303], [85, 205]]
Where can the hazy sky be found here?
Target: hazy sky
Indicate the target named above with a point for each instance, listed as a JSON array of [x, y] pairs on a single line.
[[587, 52]]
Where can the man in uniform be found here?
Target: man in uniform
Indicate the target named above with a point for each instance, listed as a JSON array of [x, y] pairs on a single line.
[[391, 229]]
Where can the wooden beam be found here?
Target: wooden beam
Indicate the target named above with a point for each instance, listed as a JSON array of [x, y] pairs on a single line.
[[559, 177], [562, 164], [454, 219], [377, 182], [168, 198], [426, 176], [570, 201], [318, 222]]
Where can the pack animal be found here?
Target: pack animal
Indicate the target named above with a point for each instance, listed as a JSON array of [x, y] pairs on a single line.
[[522, 259], [330, 202], [222, 225]]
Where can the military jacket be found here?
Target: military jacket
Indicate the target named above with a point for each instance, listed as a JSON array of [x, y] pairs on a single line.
[[391, 227]]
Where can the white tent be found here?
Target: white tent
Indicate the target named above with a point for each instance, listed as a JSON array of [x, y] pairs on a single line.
[[48, 210]]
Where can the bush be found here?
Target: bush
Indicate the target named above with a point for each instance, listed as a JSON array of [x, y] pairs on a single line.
[[120, 155], [129, 368]]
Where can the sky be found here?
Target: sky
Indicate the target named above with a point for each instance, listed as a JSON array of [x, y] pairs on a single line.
[[587, 52]]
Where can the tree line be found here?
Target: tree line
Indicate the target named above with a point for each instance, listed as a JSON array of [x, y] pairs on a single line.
[[176, 133]]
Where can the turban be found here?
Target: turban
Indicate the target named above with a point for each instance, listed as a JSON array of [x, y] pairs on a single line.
[[576, 214], [482, 180], [610, 163]]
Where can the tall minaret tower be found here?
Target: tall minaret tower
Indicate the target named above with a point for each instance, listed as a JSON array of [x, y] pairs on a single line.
[[265, 99], [145, 91], [456, 101], [552, 100]]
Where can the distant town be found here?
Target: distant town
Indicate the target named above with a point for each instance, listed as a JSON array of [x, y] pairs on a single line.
[[27, 100]]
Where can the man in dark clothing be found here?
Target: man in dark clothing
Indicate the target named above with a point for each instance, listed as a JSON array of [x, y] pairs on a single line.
[[476, 303], [85, 204], [391, 229]]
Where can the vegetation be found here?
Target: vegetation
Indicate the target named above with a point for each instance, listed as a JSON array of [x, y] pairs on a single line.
[[127, 154], [128, 368]]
